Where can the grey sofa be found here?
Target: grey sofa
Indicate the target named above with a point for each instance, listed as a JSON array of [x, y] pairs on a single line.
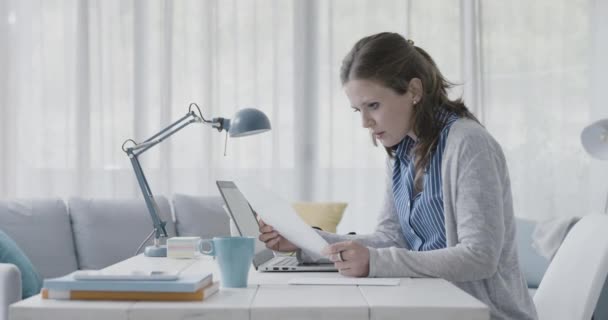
[[60, 237]]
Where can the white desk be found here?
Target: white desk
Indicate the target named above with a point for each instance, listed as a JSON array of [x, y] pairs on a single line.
[[269, 297]]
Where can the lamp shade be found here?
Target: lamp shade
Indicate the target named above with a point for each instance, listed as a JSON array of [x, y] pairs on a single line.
[[595, 139], [247, 122]]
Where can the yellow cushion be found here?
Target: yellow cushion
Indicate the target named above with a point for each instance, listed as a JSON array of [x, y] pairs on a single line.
[[325, 215]]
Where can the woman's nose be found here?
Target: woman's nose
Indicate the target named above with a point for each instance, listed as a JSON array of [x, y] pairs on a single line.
[[366, 121]]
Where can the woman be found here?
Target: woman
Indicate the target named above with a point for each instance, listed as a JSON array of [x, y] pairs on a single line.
[[448, 210]]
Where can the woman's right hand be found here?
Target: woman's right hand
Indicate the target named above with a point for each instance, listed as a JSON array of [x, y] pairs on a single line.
[[273, 240]]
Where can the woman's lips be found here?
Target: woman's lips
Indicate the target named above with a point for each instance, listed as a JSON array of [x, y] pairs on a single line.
[[379, 135]]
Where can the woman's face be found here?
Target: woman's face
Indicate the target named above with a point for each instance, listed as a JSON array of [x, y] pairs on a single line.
[[387, 114]]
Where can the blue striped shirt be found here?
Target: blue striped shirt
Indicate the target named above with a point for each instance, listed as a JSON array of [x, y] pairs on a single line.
[[421, 215]]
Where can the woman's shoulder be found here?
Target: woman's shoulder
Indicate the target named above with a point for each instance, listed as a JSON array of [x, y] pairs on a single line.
[[469, 135], [465, 128]]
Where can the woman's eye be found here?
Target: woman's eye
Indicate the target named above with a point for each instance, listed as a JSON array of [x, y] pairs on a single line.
[[356, 110], [373, 105]]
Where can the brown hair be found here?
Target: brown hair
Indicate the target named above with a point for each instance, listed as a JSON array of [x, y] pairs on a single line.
[[392, 61]]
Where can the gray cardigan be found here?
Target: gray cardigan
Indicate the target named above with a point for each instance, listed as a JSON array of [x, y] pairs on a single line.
[[481, 254]]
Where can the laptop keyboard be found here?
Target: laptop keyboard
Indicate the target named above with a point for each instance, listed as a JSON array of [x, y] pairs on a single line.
[[285, 262]]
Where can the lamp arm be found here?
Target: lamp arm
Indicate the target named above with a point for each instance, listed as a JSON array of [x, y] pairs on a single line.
[[165, 133], [159, 224], [138, 148]]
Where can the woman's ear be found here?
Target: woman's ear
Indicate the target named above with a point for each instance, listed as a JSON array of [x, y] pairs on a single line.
[[415, 88]]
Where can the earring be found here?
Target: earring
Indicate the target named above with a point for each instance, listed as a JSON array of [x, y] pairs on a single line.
[[414, 102]]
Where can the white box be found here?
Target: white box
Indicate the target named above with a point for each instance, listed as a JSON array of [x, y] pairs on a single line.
[[183, 247]]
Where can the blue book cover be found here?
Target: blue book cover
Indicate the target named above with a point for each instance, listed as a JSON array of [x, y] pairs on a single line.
[[184, 283]]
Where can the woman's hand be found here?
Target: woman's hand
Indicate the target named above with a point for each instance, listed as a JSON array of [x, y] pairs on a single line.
[[350, 258], [273, 240]]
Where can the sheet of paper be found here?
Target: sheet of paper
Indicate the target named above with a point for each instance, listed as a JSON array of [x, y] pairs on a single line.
[[344, 281], [278, 213]]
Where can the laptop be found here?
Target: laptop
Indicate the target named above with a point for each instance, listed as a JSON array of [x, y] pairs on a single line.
[[246, 222]]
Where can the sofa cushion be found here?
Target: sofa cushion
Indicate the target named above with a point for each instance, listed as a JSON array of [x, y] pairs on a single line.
[[108, 231], [10, 253], [533, 265], [200, 216], [42, 230]]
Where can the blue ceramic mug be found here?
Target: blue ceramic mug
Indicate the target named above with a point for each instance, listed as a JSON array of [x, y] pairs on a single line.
[[234, 255]]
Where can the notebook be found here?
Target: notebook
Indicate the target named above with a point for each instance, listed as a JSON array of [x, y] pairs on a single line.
[[185, 283]]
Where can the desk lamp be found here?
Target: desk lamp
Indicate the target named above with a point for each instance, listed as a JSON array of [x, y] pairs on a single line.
[[245, 122], [595, 141]]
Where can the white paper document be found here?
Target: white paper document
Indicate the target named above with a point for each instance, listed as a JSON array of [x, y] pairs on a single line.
[[344, 281], [278, 213]]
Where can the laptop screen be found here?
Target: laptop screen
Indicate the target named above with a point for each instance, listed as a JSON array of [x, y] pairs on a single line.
[[243, 216]]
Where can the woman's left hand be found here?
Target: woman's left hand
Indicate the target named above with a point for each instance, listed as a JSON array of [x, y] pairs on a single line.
[[350, 258]]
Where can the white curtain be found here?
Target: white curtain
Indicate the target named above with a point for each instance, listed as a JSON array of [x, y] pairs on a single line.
[[78, 77], [539, 63]]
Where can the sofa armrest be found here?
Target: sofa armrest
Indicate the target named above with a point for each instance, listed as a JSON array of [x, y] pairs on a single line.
[[10, 287]]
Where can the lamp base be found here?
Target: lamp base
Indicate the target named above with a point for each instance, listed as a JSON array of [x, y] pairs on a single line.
[[156, 251]]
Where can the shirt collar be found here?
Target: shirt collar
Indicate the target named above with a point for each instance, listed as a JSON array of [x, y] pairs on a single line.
[[404, 148]]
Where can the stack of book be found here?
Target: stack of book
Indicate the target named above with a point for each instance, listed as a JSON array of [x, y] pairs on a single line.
[[117, 287]]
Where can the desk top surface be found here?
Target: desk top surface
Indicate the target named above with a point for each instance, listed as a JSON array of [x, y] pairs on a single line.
[[268, 296]]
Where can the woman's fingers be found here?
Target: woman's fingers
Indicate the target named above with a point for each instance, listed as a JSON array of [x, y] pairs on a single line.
[[274, 243], [266, 229], [338, 247], [349, 272], [265, 237], [346, 268], [273, 240], [350, 258], [337, 257]]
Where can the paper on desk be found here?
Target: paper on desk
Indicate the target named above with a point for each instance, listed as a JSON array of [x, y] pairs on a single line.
[[277, 212], [343, 281]]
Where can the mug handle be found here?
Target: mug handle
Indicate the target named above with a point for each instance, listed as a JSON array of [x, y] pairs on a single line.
[[202, 242]]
